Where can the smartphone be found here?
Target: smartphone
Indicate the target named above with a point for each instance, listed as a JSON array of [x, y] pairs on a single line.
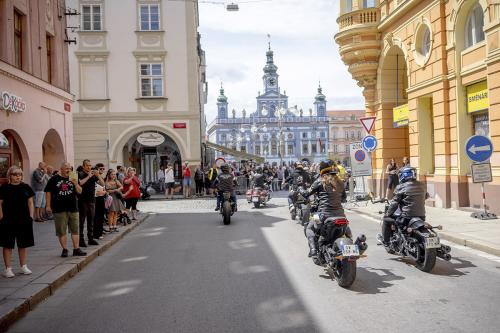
[[73, 176]]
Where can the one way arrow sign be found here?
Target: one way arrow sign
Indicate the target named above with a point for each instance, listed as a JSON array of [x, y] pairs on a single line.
[[368, 123], [479, 148]]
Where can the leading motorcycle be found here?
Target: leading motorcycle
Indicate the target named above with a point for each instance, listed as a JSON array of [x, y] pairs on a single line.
[[414, 238], [336, 249], [227, 208]]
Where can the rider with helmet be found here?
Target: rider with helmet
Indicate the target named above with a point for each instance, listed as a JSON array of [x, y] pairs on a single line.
[[409, 197], [298, 177], [259, 179], [225, 182], [329, 189]]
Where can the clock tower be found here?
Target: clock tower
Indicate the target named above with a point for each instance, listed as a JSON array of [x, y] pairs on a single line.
[[222, 105], [270, 78], [320, 103]]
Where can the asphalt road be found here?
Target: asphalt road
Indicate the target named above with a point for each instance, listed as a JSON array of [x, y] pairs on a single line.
[[183, 271]]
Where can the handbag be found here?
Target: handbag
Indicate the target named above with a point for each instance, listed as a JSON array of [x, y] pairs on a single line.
[[108, 201]]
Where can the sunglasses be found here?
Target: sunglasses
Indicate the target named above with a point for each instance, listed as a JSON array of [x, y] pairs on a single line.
[[16, 174]]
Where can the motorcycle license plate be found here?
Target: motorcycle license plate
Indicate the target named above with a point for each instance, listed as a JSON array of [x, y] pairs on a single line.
[[432, 243], [255, 199], [350, 251]]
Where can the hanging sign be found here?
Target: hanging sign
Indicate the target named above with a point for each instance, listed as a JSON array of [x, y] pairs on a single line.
[[361, 162], [368, 123], [477, 97], [12, 103], [150, 139], [401, 115]]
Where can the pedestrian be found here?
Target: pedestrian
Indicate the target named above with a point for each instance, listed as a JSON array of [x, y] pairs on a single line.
[[61, 195], [114, 189], [38, 181], [341, 170], [406, 162], [88, 178], [280, 177], [100, 199], [16, 219], [120, 173], [132, 191], [212, 176], [392, 178], [161, 178], [186, 180], [169, 182], [198, 179]]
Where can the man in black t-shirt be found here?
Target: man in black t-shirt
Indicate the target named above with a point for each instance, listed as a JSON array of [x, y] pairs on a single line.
[[87, 178], [61, 196]]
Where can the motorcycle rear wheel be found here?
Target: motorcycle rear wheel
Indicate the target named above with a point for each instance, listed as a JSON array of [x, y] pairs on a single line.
[[426, 260], [346, 274], [226, 212]]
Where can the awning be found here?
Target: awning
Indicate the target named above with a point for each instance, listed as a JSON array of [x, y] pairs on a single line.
[[235, 153]]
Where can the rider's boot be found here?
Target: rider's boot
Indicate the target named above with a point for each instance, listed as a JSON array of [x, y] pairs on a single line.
[[313, 252]]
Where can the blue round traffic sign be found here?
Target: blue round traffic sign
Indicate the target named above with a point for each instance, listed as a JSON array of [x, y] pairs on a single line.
[[479, 148], [360, 155], [369, 143]]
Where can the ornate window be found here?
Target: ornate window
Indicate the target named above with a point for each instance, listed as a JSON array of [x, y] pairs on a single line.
[[150, 17], [423, 43], [91, 18], [151, 80], [474, 27]]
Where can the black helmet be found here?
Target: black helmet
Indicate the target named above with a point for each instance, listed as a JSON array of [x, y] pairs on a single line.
[[258, 170], [224, 167], [299, 166], [327, 167]]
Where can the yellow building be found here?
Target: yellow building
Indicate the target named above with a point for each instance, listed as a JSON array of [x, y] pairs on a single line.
[[430, 70]]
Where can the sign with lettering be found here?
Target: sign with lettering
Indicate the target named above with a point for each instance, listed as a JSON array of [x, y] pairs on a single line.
[[401, 115], [477, 97], [12, 103], [481, 173], [150, 139], [361, 162]]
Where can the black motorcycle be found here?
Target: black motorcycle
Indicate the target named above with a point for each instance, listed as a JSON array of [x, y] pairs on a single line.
[[414, 238], [336, 249], [227, 208]]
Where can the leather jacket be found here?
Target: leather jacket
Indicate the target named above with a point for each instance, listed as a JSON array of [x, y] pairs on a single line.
[[329, 200], [225, 182], [259, 180], [293, 178], [410, 197]]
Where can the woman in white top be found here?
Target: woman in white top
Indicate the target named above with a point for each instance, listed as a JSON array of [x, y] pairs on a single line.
[[169, 182]]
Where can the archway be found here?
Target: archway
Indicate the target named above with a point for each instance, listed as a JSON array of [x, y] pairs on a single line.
[[53, 149], [393, 93], [148, 158], [12, 152]]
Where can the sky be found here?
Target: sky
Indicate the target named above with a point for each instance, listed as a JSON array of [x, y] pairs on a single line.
[[302, 38]]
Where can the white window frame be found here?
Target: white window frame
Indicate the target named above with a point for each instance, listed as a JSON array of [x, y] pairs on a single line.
[[152, 77], [472, 24], [92, 22], [149, 5]]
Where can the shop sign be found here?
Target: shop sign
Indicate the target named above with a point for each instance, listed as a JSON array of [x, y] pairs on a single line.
[[12, 103], [477, 97], [180, 125], [150, 139], [401, 115]]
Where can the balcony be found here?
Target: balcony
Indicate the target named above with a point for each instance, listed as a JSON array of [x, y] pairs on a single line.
[[359, 19]]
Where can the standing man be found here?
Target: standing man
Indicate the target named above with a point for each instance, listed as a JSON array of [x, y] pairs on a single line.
[[88, 178], [61, 195], [186, 180], [38, 182], [161, 178]]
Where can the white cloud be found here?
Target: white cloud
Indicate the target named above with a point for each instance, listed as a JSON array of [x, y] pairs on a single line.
[[302, 39]]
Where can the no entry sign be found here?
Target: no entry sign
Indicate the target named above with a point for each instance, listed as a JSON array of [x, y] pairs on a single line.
[[361, 162]]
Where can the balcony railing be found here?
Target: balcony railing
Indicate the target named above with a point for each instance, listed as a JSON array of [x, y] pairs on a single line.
[[367, 16]]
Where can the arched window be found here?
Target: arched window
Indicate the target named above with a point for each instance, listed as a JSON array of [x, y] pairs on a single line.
[[474, 32], [368, 3]]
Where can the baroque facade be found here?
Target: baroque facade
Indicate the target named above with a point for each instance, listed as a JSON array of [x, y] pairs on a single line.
[[138, 74], [35, 103], [273, 131], [430, 71]]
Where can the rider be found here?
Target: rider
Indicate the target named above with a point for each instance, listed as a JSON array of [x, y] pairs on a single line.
[[409, 197], [330, 192], [298, 177], [259, 179], [225, 182]]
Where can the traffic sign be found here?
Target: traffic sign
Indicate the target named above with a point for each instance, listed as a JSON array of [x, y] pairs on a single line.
[[361, 162], [481, 173], [479, 148], [369, 143], [368, 123]]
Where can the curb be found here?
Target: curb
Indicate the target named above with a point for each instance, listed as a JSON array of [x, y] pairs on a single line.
[[449, 236], [27, 298]]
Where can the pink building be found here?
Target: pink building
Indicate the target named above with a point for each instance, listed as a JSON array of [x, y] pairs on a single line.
[[344, 129], [35, 103]]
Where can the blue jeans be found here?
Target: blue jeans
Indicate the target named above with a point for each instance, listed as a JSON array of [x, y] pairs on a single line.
[[219, 198]]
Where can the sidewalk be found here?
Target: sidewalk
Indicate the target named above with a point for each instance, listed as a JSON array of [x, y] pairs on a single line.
[[22, 293], [458, 226]]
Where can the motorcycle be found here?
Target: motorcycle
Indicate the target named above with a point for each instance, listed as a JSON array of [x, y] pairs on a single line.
[[414, 238], [302, 208], [258, 196], [227, 208], [336, 249]]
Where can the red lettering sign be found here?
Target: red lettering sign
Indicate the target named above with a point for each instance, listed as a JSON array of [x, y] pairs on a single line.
[[180, 125], [67, 107]]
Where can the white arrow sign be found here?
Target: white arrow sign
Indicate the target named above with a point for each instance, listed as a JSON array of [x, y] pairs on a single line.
[[475, 149]]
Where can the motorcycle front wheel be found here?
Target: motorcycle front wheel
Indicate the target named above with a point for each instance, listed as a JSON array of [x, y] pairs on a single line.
[[345, 273], [226, 212]]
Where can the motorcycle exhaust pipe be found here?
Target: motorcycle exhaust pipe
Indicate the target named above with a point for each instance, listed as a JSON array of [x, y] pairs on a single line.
[[445, 248], [444, 256], [360, 242]]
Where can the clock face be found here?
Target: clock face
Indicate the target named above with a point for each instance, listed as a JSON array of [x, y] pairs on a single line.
[[271, 81]]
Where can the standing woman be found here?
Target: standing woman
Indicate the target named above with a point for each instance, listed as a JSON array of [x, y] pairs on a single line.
[[114, 189], [131, 188], [169, 182], [100, 199], [392, 181], [16, 219]]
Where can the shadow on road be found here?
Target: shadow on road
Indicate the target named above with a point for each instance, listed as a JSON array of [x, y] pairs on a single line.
[[443, 268]]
